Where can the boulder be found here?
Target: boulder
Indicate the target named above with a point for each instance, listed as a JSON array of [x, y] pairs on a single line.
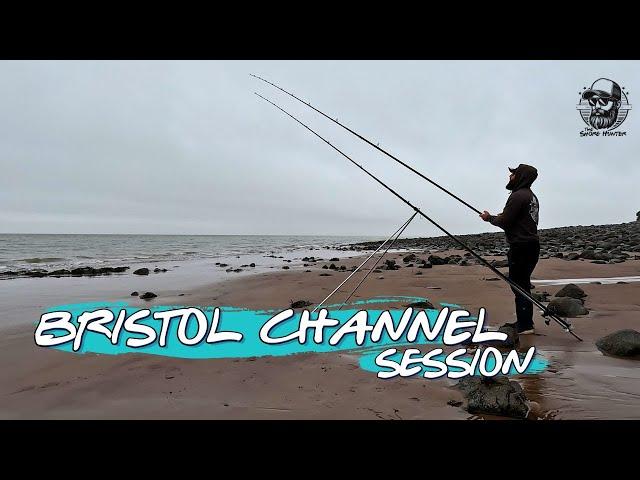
[[623, 343], [83, 271], [512, 340], [500, 263], [148, 296], [300, 303], [571, 290], [495, 396], [391, 265], [435, 260], [567, 307], [409, 258], [588, 254], [421, 304], [141, 271], [57, 273], [134, 294]]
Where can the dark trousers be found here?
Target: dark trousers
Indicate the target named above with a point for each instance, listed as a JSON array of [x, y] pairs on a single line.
[[523, 258]]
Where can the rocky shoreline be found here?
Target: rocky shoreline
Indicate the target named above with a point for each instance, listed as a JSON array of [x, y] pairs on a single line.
[[615, 243]]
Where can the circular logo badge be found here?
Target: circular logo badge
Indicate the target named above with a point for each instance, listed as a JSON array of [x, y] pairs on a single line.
[[604, 106]]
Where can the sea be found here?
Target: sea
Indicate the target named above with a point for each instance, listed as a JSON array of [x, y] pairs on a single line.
[[190, 261], [50, 252]]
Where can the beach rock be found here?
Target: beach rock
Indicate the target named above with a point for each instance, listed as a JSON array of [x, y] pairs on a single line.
[[572, 256], [623, 343], [252, 264], [285, 267], [325, 275], [495, 396], [391, 265], [409, 258], [300, 304], [325, 267], [500, 263], [571, 290], [512, 340], [333, 267], [335, 259], [134, 294], [421, 304], [588, 254], [426, 265], [159, 270], [435, 260], [567, 307], [148, 296], [222, 265], [59, 273], [80, 271], [119, 269], [141, 271]]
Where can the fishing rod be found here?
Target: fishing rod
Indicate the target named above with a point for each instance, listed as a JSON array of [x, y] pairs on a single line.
[[376, 146], [545, 311]]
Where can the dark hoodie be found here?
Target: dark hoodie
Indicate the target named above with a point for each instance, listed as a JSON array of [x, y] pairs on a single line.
[[519, 219]]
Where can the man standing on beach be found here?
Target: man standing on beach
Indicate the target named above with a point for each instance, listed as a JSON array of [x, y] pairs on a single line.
[[519, 220]]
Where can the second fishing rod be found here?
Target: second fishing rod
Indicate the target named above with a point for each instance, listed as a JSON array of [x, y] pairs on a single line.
[[369, 142], [546, 313]]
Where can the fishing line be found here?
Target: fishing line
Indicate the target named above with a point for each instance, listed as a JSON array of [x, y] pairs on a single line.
[[546, 313], [376, 146]]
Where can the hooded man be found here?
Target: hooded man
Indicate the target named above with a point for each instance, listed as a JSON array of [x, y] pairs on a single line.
[[519, 220]]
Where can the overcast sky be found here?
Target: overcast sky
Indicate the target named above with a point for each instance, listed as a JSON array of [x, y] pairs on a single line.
[[186, 147]]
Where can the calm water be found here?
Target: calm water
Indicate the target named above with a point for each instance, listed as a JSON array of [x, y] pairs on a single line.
[[22, 251], [189, 260]]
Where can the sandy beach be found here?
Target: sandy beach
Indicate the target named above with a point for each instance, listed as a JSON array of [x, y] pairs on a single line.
[[579, 383]]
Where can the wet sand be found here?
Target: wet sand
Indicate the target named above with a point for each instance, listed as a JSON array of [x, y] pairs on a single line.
[[580, 382]]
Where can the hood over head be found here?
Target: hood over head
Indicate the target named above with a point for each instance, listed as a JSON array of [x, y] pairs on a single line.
[[524, 176]]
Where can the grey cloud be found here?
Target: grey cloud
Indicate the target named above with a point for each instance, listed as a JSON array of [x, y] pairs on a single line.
[[186, 147]]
